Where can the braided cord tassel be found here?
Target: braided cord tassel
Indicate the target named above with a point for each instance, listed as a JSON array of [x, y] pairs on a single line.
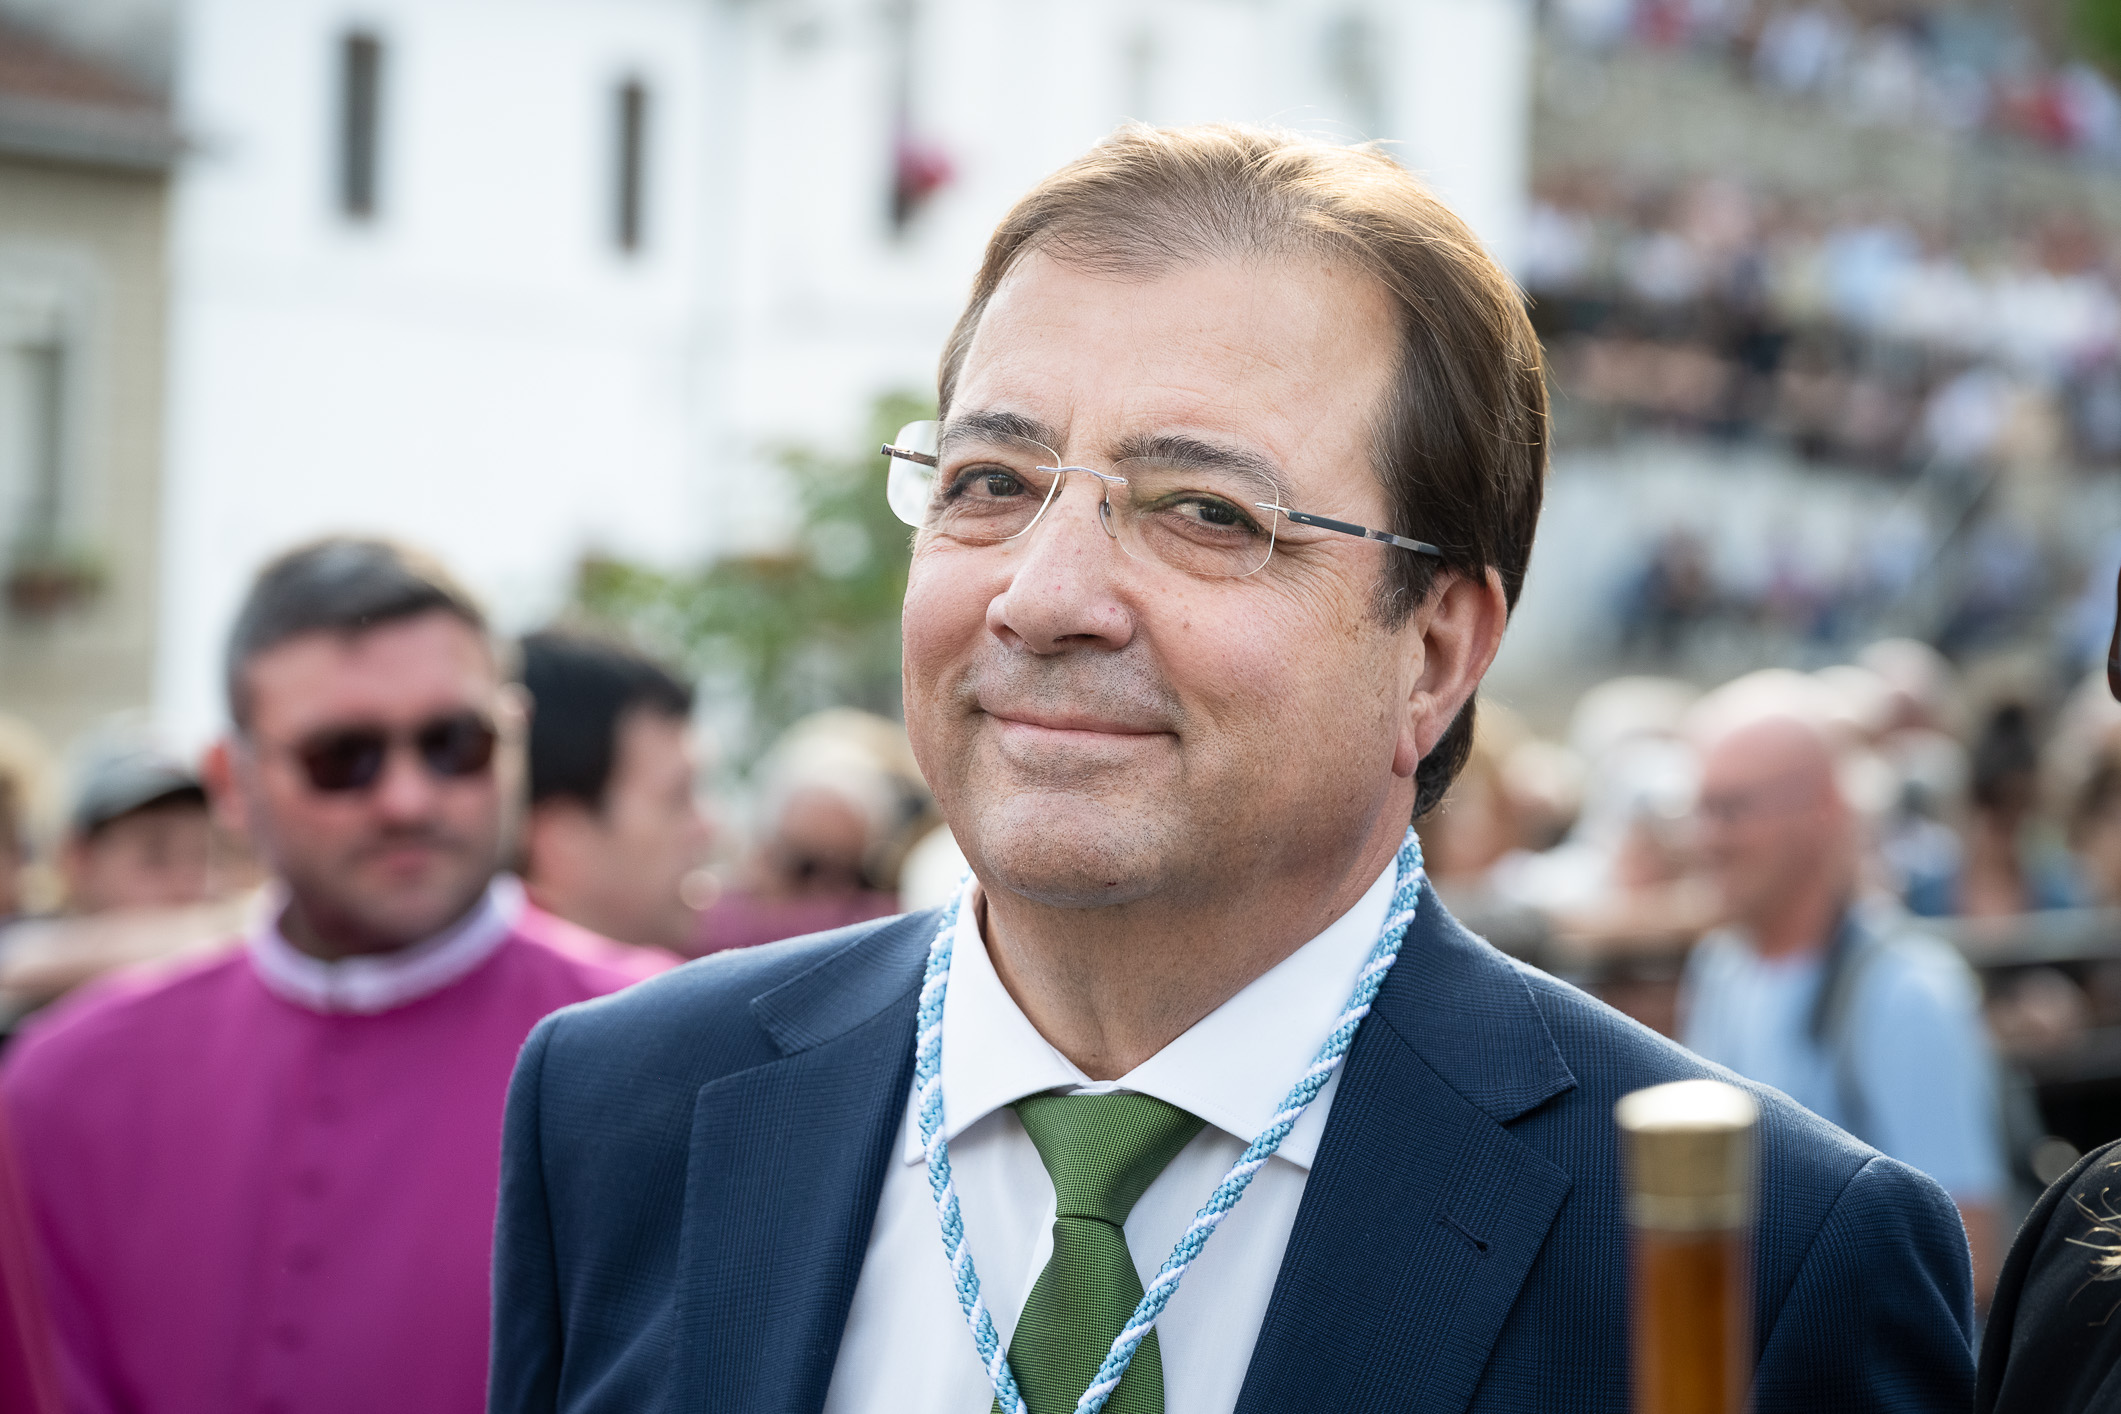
[[928, 1090], [1406, 898], [928, 1080]]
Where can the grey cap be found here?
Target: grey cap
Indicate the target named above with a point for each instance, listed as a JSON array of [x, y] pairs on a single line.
[[120, 782]]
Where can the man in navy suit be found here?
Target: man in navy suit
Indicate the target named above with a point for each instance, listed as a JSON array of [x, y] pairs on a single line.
[[1240, 456]]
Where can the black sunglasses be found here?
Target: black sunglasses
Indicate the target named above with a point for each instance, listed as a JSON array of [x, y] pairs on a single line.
[[352, 758]]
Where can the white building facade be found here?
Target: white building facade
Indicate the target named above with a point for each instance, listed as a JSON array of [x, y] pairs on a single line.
[[407, 299], [521, 279], [830, 307]]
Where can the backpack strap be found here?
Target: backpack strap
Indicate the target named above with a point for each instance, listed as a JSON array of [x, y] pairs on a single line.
[[1854, 950]]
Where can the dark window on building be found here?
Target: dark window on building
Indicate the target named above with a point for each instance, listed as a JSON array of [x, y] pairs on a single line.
[[629, 196], [33, 458], [360, 123]]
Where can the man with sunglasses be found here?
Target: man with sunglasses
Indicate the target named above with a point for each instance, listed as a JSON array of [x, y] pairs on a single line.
[[266, 1181], [1235, 479]]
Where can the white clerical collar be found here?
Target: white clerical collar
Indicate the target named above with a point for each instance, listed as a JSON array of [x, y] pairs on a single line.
[[1232, 1068], [366, 985]]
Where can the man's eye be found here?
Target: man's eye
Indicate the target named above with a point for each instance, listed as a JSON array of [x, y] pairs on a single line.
[[1208, 513], [987, 483]]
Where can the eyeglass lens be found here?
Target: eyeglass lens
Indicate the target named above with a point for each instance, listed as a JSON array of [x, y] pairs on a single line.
[[988, 489], [352, 759]]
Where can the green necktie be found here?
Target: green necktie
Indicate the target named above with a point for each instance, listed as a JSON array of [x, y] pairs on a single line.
[[1103, 1152]]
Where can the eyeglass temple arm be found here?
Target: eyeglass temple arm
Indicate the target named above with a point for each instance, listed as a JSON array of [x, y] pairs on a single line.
[[908, 454], [1419, 547]]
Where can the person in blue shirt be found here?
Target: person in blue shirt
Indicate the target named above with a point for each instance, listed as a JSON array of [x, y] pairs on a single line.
[[1836, 999]]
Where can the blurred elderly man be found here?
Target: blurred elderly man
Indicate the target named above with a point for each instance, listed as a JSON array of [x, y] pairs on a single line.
[[265, 1181], [1239, 462], [1830, 997], [616, 838]]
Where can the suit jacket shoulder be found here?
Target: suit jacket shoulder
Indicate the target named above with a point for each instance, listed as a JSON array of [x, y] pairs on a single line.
[[692, 1167], [697, 1018], [1862, 1282], [1464, 1223], [602, 1165]]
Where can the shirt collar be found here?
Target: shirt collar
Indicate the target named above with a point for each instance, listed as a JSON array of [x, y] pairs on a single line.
[[1233, 1068], [363, 986]]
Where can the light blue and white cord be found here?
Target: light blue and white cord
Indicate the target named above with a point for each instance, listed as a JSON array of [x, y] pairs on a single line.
[[928, 1091]]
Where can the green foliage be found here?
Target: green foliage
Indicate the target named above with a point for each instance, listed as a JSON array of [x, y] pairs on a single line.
[[814, 625], [2097, 28]]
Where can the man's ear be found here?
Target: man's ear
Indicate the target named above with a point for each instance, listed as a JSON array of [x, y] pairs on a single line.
[[1459, 628], [513, 709], [511, 718], [556, 844], [218, 771]]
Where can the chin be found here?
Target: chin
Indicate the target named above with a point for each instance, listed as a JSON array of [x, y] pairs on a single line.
[[410, 916], [1069, 851]]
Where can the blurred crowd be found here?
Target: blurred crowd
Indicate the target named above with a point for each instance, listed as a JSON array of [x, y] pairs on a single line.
[[1858, 333], [111, 853], [1713, 861], [1959, 67], [1979, 801], [1999, 584], [264, 1002], [1982, 797], [252, 992]]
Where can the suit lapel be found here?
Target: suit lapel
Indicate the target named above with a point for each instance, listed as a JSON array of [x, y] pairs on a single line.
[[1423, 1214], [787, 1165]]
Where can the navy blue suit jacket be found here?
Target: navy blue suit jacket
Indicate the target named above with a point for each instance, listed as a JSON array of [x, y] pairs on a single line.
[[692, 1166]]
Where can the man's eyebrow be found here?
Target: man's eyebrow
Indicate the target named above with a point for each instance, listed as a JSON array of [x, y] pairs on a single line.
[[997, 424], [1194, 454]]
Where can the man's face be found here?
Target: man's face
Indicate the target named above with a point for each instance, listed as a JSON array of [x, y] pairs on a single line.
[[1771, 819], [1099, 728], [620, 871], [160, 856], [383, 867]]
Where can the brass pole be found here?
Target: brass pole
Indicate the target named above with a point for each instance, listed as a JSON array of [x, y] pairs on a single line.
[[1692, 1165]]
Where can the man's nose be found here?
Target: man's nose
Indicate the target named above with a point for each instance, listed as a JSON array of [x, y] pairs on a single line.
[[406, 789], [1065, 578]]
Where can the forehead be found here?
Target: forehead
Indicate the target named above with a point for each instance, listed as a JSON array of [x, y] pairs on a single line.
[[163, 817], [1768, 752], [401, 671], [1287, 355], [650, 739]]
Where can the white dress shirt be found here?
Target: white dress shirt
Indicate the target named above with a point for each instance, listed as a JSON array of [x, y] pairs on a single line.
[[907, 1349], [366, 985]]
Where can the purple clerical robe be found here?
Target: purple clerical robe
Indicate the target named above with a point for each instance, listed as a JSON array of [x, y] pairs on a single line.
[[265, 1184]]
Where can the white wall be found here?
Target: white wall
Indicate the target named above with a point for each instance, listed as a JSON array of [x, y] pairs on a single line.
[[478, 368], [829, 310]]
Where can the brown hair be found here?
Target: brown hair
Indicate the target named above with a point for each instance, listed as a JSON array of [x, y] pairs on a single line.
[[1460, 445], [342, 585]]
